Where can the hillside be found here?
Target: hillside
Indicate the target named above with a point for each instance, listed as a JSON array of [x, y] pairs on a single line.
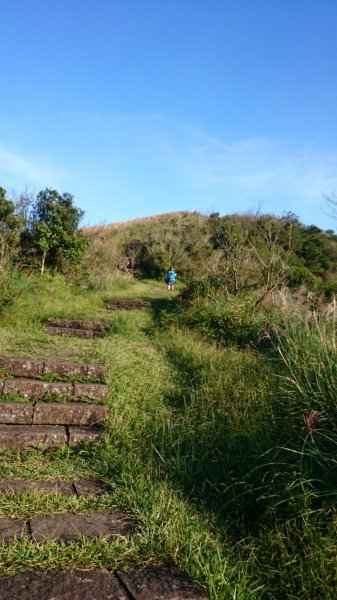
[[157, 240], [137, 221], [248, 251]]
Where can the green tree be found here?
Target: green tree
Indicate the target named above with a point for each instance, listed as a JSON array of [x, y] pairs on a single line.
[[53, 229], [10, 227]]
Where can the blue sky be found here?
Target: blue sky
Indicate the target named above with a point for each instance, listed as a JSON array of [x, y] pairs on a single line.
[[140, 107]]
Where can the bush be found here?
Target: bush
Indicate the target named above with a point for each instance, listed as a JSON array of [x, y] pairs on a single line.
[[205, 306]]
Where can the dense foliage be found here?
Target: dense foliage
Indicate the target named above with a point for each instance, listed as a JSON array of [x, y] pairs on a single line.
[[41, 231], [10, 228]]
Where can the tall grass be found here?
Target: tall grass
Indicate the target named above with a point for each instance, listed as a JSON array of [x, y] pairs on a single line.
[[308, 348]]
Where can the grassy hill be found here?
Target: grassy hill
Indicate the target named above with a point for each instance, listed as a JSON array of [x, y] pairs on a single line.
[[167, 238], [249, 252]]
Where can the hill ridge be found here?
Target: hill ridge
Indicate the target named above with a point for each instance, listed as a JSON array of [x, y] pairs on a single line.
[[119, 224]]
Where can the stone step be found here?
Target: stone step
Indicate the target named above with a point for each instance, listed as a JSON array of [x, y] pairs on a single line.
[[73, 527], [62, 585], [56, 485], [67, 331], [52, 413], [159, 582], [148, 583], [28, 367], [79, 324], [37, 389], [127, 304], [26, 437], [68, 526]]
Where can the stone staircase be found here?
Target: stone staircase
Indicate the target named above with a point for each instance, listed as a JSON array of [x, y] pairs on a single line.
[[57, 412], [77, 328], [38, 413]]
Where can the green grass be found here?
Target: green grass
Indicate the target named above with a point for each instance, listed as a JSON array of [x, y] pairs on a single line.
[[201, 448]]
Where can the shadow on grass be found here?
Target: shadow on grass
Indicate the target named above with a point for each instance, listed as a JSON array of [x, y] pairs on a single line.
[[220, 462]]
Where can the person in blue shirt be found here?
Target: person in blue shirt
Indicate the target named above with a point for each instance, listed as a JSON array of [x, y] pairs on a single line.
[[170, 279]]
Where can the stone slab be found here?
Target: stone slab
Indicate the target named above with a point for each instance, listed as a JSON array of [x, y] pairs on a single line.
[[20, 437], [88, 487], [21, 367], [74, 413], [97, 370], [16, 412], [160, 583], [55, 485], [127, 304], [78, 435], [27, 367], [87, 333], [11, 528], [33, 388], [49, 486], [96, 391], [65, 369], [36, 389], [62, 585], [73, 527], [78, 324]]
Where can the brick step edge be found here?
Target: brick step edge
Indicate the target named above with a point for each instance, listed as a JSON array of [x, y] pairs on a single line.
[[56, 485], [145, 583], [28, 367], [27, 437], [38, 389], [78, 324], [68, 526], [52, 413], [67, 331], [128, 304]]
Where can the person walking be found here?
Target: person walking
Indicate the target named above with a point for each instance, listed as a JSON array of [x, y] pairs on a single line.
[[170, 279]]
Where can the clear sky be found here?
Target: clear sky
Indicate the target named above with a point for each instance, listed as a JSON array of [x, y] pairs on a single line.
[[140, 107]]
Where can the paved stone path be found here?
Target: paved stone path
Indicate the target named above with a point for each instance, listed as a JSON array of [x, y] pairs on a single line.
[[29, 419]]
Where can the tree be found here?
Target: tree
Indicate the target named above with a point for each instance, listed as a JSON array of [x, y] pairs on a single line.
[[10, 227], [235, 261], [52, 228], [271, 243], [253, 251]]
